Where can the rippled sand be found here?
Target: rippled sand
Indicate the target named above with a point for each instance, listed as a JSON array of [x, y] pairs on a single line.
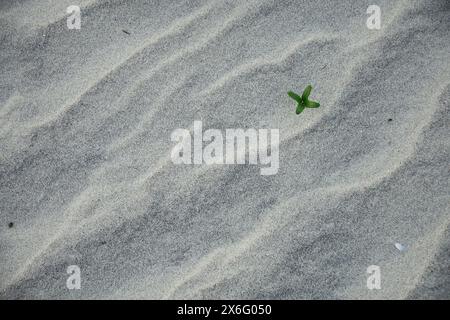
[[86, 175]]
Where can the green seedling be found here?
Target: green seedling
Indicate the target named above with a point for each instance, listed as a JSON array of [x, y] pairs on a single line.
[[303, 101]]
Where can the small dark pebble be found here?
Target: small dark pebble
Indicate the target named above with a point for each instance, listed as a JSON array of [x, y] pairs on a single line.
[[11, 224], [125, 31], [389, 119]]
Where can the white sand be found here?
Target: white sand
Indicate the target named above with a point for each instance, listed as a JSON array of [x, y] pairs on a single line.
[[86, 175]]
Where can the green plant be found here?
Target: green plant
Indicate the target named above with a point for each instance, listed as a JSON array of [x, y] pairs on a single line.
[[303, 101]]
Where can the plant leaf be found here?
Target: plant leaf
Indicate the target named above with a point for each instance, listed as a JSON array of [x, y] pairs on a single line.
[[300, 108], [306, 93], [295, 96], [312, 104]]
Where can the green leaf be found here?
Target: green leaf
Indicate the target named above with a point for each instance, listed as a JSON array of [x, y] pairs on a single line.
[[312, 104], [295, 96], [306, 93], [300, 108]]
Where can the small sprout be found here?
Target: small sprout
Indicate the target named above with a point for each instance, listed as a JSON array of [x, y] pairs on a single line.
[[303, 101]]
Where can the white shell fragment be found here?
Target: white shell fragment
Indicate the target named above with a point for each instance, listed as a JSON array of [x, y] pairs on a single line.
[[400, 247]]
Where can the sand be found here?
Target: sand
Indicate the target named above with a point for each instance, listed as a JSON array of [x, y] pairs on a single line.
[[86, 176]]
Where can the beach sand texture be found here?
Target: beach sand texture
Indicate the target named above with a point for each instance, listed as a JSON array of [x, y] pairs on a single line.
[[86, 176]]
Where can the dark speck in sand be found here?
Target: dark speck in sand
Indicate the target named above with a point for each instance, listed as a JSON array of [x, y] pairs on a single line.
[[10, 225], [389, 119], [125, 31]]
